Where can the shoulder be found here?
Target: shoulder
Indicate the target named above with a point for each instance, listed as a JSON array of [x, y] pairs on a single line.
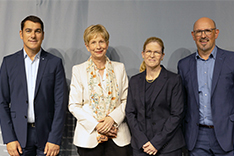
[[187, 59], [171, 75], [80, 66], [227, 57], [117, 64], [50, 56], [138, 77], [14, 55], [226, 52]]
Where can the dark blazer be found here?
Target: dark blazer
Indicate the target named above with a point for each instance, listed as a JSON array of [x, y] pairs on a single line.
[[167, 108], [49, 102], [222, 98]]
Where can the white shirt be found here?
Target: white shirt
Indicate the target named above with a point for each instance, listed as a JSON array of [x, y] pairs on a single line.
[[31, 68]]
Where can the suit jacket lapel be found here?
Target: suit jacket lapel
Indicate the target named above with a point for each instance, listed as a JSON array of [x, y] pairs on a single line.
[[193, 78], [161, 80], [42, 65], [142, 88], [22, 72], [220, 57]]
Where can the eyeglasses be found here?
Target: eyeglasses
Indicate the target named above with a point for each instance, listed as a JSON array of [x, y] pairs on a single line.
[[198, 33], [149, 52]]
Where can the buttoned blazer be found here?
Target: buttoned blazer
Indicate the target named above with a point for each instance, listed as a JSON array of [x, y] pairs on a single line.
[[49, 102], [166, 112], [222, 98], [85, 134]]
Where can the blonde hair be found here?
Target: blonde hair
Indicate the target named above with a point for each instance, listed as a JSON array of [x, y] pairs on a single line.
[[94, 30], [142, 67], [149, 40]]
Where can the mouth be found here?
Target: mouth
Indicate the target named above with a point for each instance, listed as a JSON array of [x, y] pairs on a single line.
[[152, 60], [99, 52], [204, 41], [32, 41]]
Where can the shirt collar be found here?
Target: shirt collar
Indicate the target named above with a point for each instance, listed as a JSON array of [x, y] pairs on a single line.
[[212, 55], [36, 57]]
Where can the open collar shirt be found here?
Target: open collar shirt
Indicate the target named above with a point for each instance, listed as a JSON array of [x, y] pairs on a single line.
[[31, 68], [205, 70]]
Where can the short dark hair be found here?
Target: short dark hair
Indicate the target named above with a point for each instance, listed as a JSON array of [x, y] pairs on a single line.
[[34, 19]]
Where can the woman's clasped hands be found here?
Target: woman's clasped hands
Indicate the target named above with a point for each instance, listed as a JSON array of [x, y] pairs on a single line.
[[106, 127]]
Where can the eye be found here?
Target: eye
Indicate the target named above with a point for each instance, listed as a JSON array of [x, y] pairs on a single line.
[[157, 52], [38, 31], [27, 30], [208, 31], [93, 42]]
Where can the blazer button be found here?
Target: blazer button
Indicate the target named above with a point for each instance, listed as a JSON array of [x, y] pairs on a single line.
[[152, 109], [153, 123], [27, 101], [25, 117]]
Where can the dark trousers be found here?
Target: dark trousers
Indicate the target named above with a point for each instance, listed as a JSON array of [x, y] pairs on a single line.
[[137, 152], [32, 148], [208, 145], [107, 148]]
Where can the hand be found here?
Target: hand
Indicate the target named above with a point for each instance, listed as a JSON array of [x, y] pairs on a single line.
[[113, 132], [51, 149], [14, 148], [105, 125], [149, 148]]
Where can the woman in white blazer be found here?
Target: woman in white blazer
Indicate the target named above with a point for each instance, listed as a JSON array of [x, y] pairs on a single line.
[[98, 98]]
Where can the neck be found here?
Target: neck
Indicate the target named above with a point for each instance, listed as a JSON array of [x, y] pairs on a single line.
[[100, 63], [205, 54], [153, 73], [31, 54]]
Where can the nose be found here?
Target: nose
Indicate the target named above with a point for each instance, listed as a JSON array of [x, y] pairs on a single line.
[[152, 54], [98, 46], [33, 35], [203, 34]]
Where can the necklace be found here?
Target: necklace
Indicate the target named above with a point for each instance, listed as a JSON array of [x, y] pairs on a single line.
[[101, 68], [150, 81]]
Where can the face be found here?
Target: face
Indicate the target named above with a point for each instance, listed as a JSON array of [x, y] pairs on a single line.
[[205, 42], [97, 47], [152, 55], [32, 36]]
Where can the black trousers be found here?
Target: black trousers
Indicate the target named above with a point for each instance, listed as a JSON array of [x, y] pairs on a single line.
[[177, 152], [107, 148]]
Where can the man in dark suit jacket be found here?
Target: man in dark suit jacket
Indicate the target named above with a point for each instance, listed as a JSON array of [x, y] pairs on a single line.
[[33, 96], [208, 79]]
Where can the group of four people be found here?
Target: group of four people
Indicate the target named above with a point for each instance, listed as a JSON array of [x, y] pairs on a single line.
[[149, 111]]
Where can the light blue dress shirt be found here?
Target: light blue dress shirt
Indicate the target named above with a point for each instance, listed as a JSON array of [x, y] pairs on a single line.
[[205, 70], [31, 68]]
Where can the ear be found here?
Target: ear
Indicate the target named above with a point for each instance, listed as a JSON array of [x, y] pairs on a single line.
[[87, 47], [162, 56], [143, 54], [216, 33], [21, 34], [192, 33]]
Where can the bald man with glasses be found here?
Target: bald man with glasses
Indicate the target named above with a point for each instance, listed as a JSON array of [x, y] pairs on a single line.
[[208, 80]]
